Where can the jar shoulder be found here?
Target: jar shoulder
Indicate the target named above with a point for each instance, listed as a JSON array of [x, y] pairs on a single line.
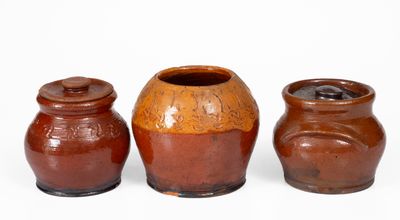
[[195, 109], [364, 131]]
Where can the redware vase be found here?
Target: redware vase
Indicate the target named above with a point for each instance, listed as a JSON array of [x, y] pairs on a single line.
[[77, 144], [195, 127], [328, 139]]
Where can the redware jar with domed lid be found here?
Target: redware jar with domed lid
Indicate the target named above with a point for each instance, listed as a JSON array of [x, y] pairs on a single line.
[[77, 144]]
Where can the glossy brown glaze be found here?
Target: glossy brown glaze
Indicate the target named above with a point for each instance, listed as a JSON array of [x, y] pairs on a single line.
[[330, 144], [77, 148], [195, 128], [193, 165]]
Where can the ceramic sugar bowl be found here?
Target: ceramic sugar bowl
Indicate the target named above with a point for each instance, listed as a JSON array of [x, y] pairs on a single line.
[[328, 139], [195, 127], [77, 144]]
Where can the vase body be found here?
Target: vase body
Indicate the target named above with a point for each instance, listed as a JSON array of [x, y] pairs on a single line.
[[327, 144], [195, 127], [76, 145]]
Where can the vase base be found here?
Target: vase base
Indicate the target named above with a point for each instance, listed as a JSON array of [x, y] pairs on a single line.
[[328, 190], [78, 193], [199, 194]]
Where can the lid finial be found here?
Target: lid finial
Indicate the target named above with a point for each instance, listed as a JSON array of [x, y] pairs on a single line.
[[76, 84], [327, 92]]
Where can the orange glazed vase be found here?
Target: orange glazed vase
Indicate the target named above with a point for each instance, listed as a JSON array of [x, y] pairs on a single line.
[[195, 127], [77, 144], [328, 140]]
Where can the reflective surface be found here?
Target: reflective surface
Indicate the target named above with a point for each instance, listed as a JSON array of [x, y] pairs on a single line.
[[195, 128], [77, 144], [77, 156], [196, 165], [329, 147]]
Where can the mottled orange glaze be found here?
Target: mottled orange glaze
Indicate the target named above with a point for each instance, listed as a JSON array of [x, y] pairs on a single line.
[[195, 127], [329, 146], [195, 108], [77, 148]]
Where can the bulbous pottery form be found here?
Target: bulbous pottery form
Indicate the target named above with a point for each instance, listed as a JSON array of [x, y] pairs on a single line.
[[328, 139], [195, 127], [77, 144]]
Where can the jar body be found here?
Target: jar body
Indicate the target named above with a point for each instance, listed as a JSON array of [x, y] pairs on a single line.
[[195, 165], [195, 141], [77, 155], [329, 147]]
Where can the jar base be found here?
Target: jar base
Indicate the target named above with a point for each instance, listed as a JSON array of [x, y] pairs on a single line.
[[77, 193], [199, 194], [327, 190]]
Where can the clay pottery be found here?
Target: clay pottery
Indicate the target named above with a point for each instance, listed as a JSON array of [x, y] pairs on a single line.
[[195, 127], [77, 144], [328, 139]]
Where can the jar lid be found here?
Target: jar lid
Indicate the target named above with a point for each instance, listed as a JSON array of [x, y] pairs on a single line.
[[324, 91], [76, 89]]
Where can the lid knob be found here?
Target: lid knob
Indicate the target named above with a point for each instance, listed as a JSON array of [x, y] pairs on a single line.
[[76, 84], [328, 93]]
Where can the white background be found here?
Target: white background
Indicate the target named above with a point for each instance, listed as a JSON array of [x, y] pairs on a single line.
[[267, 43]]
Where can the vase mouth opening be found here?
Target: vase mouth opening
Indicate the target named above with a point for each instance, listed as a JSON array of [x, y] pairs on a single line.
[[195, 75]]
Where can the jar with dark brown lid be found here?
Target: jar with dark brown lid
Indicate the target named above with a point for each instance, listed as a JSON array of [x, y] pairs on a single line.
[[77, 144], [328, 140]]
